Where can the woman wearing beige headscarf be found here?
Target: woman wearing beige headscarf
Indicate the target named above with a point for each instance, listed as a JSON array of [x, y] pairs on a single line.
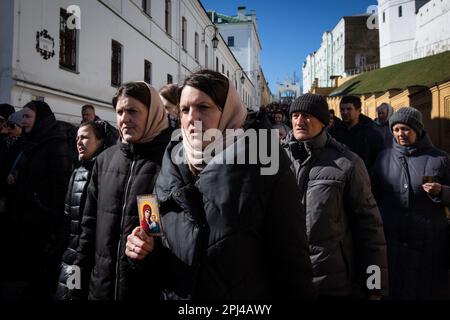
[[120, 174], [230, 232]]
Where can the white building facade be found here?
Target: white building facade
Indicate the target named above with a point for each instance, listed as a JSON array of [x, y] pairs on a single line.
[[240, 33], [328, 60], [71, 58], [412, 29]]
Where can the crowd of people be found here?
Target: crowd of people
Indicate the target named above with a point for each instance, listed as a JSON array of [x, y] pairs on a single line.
[[348, 197]]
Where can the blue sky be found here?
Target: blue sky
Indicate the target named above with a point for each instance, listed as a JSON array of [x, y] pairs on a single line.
[[290, 29]]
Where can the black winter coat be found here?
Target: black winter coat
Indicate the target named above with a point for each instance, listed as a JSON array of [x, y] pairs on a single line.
[[415, 223], [231, 232], [363, 139], [74, 206], [38, 208], [344, 226], [120, 173]]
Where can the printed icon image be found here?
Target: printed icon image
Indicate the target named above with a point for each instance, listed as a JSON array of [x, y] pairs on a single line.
[[149, 219]]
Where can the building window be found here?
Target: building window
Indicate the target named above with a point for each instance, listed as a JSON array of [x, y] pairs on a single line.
[[228, 73], [146, 6], [400, 12], [183, 32], [384, 16], [147, 71], [169, 79], [206, 56], [223, 69], [168, 16], [116, 63], [230, 41], [67, 43], [196, 46], [217, 64]]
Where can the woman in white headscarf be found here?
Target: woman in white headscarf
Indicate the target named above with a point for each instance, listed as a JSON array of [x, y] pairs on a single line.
[[230, 231]]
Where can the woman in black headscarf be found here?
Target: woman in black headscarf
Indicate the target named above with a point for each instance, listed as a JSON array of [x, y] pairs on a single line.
[[36, 234]]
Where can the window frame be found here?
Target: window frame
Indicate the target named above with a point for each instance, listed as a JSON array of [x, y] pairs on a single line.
[[118, 67], [71, 37], [148, 68]]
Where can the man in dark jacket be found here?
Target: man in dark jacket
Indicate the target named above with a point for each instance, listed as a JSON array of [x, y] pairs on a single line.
[[358, 131], [344, 226], [120, 174]]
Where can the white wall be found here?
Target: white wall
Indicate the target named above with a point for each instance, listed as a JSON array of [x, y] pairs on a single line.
[[415, 34], [6, 43], [433, 28], [396, 33], [328, 60], [142, 37], [246, 49]]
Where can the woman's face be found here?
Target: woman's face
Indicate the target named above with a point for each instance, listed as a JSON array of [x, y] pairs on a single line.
[[131, 117], [28, 119], [170, 108], [404, 134], [87, 143], [195, 105]]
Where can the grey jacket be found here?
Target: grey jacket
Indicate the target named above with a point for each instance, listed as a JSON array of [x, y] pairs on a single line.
[[343, 223]]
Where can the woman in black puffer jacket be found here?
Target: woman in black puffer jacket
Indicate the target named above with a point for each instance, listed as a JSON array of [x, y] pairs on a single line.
[[35, 239], [119, 175], [91, 141], [231, 230]]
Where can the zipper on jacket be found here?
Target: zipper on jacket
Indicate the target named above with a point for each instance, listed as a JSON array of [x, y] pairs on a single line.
[[116, 293]]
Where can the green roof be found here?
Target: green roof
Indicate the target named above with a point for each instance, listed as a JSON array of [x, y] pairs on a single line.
[[421, 72]]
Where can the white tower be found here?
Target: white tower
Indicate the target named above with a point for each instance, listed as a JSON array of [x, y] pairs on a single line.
[[397, 21]]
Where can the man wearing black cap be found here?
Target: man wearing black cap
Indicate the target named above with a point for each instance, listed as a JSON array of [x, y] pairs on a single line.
[[343, 223]]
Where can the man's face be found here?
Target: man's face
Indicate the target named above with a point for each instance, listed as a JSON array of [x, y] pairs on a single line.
[[131, 117], [349, 114], [88, 115], [305, 126]]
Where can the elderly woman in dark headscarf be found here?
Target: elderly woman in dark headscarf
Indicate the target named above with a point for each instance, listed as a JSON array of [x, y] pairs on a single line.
[[411, 184], [40, 175]]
